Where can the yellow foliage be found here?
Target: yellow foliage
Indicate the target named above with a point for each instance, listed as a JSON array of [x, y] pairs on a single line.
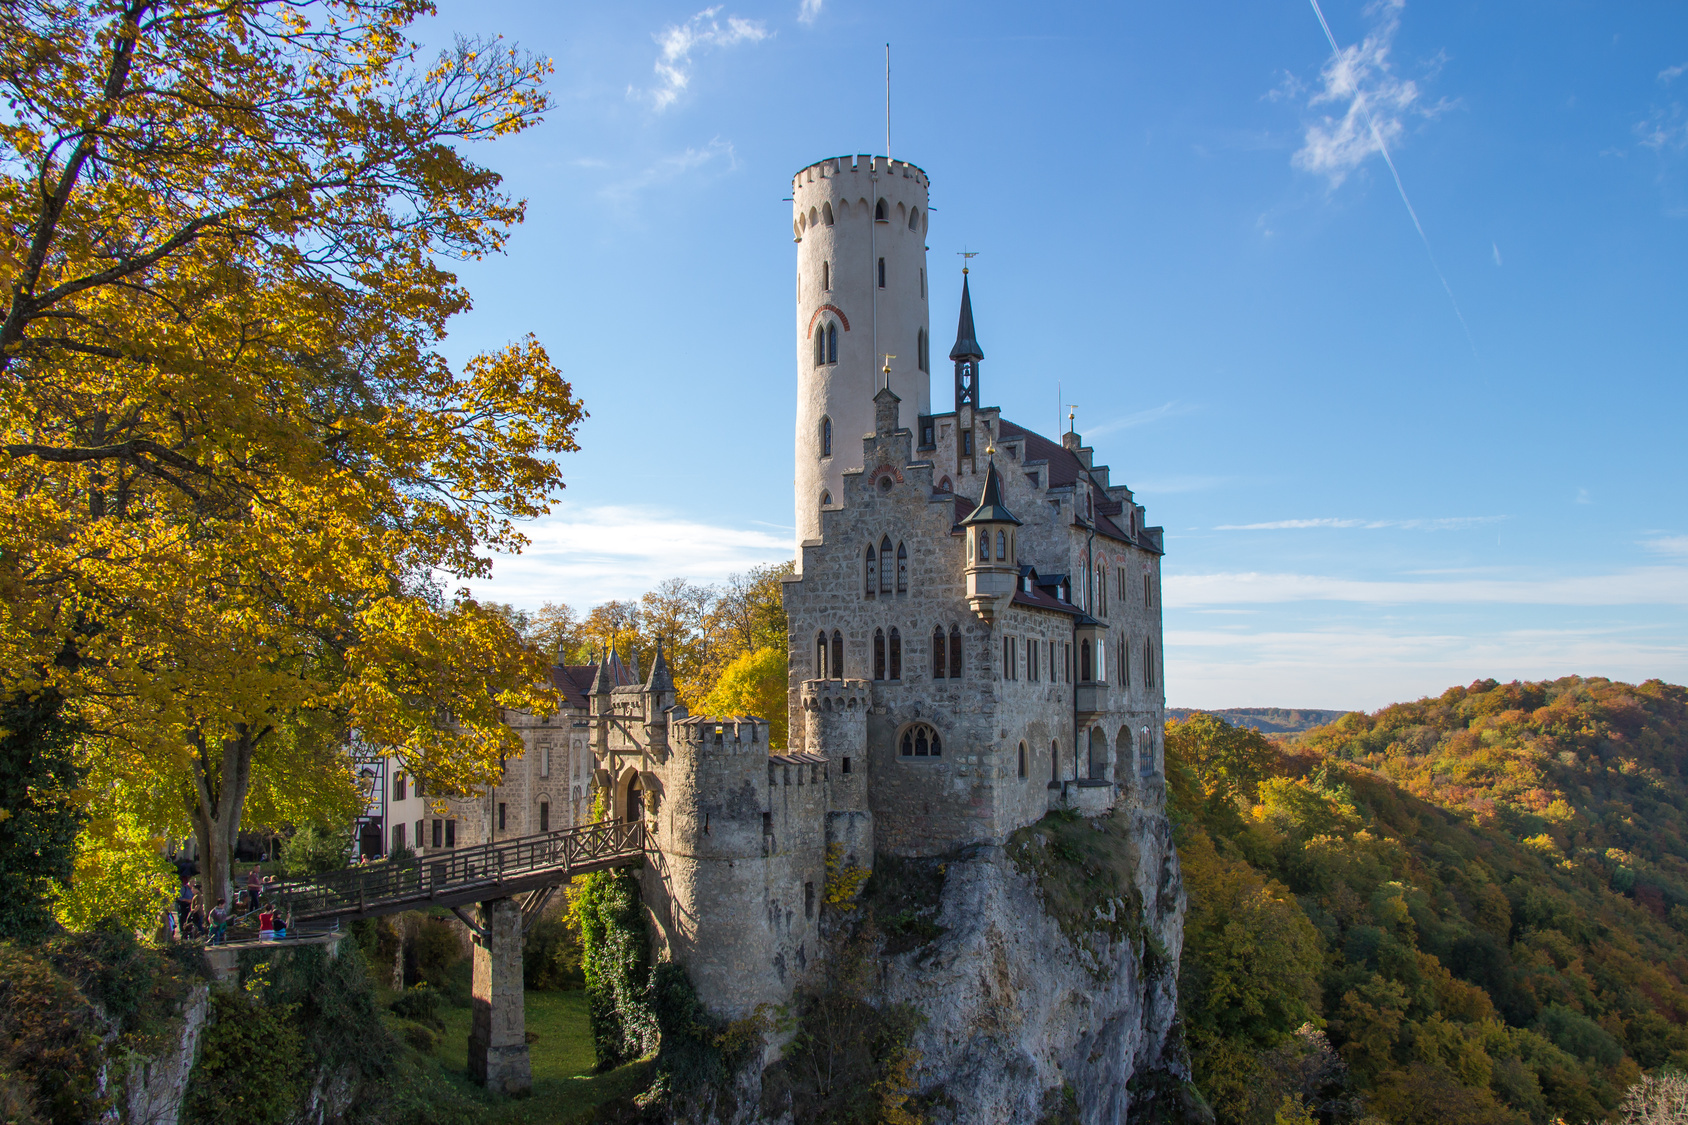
[[120, 874], [844, 879], [754, 684], [1293, 1111]]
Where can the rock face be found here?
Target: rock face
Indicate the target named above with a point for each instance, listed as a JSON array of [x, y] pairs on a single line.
[[1019, 1017]]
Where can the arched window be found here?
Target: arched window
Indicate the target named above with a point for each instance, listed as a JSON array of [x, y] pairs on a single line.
[[896, 654], [984, 546], [1054, 762], [826, 437], [879, 654], [938, 654], [826, 213], [955, 653], [914, 218], [820, 656], [921, 741], [1001, 545], [1022, 760], [837, 655], [826, 277], [885, 564], [1148, 664], [820, 345], [1145, 754], [826, 498], [944, 485], [882, 273], [902, 569], [832, 343], [1084, 662], [879, 211], [872, 571]]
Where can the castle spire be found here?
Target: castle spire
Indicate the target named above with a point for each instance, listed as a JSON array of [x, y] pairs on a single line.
[[966, 352], [601, 685], [991, 509], [660, 679]]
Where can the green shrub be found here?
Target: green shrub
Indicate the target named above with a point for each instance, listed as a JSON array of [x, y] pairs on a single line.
[[38, 774], [551, 955], [438, 951], [424, 1039], [421, 1004], [616, 964], [251, 1065], [49, 1043], [315, 849]]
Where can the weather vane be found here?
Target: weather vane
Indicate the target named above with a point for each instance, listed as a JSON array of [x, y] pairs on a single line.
[[1071, 408], [887, 369], [965, 255]]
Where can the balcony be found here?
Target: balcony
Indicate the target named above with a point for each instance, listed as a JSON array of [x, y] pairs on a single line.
[[1090, 698]]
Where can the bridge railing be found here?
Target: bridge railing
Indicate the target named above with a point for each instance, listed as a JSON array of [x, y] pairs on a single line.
[[436, 873]]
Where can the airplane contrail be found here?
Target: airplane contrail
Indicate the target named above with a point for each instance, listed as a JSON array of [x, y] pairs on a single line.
[[1371, 123]]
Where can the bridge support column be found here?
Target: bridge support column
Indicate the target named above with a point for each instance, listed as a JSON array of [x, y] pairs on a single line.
[[498, 1050]]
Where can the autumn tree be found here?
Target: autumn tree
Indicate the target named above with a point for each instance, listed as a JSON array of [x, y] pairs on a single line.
[[231, 452]]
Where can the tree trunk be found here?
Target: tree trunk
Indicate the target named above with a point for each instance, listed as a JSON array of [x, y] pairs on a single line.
[[219, 795]]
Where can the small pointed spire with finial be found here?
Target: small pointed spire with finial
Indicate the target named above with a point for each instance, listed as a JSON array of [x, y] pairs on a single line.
[[991, 509], [660, 679]]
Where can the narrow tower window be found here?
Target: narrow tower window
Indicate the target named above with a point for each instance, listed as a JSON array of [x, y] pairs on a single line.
[[826, 277], [896, 654], [885, 565], [1001, 546], [820, 656], [826, 213], [826, 437], [938, 654], [826, 499], [872, 572], [955, 653], [914, 218], [820, 345], [837, 655], [879, 211], [1084, 662], [879, 654], [882, 273], [902, 569], [920, 349], [1022, 760], [922, 283], [832, 343], [1054, 762]]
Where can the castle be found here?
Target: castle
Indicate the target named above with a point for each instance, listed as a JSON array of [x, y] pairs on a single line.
[[974, 627]]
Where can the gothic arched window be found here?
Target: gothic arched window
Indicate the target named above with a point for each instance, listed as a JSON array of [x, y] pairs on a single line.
[[902, 569], [826, 276], [820, 345], [1002, 545], [820, 656], [955, 653], [832, 343], [882, 273], [879, 211], [885, 565], [1054, 762], [826, 498], [826, 437], [879, 654], [1022, 759], [938, 654], [921, 741], [1084, 662], [984, 546], [914, 218], [837, 655], [872, 571], [896, 654], [826, 213]]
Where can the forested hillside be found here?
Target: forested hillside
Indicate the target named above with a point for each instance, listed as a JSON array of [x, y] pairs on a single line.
[[1471, 908]]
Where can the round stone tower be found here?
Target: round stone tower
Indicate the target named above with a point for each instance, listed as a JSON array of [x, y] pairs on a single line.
[[860, 227]]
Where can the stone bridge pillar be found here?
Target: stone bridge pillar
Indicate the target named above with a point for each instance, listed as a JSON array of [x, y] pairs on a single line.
[[498, 1050]]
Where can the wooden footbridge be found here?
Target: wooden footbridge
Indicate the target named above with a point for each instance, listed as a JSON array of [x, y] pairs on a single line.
[[510, 880], [531, 866]]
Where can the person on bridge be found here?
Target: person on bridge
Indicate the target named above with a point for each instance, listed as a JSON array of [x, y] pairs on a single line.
[[184, 903], [254, 885]]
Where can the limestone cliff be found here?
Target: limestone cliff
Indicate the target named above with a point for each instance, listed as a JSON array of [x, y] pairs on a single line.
[[1025, 1015]]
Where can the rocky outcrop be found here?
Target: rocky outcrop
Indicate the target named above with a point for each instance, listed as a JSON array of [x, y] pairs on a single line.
[[1029, 1019]]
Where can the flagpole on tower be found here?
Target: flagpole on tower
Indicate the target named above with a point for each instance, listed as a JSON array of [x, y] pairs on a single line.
[[887, 103]]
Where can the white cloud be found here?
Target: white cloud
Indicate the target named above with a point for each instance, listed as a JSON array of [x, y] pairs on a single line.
[[1369, 667], [588, 555], [1374, 102], [700, 33], [1672, 73], [1658, 585], [717, 153], [809, 11], [1449, 523], [1495, 246], [1676, 545], [1140, 418]]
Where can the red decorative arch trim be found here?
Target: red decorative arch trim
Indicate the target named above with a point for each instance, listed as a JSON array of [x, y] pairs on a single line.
[[827, 308]]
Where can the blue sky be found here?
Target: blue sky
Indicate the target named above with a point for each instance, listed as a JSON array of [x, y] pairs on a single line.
[[1385, 462]]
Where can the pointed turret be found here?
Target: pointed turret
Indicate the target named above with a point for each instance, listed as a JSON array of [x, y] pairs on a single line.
[[660, 679], [966, 342], [602, 684], [966, 353], [993, 567], [991, 508]]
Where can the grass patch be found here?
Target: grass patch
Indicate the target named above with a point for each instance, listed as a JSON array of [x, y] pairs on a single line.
[[565, 1090], [1083, 868]]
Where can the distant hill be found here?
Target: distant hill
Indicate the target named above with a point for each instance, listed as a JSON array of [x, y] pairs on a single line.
[[1266, 720]]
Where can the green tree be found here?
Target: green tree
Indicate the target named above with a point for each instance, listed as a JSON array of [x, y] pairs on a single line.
[[41, 809]]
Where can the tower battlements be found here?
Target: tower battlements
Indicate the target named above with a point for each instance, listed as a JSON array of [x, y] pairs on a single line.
[[834, 695], [744, 734], [835, 167]]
